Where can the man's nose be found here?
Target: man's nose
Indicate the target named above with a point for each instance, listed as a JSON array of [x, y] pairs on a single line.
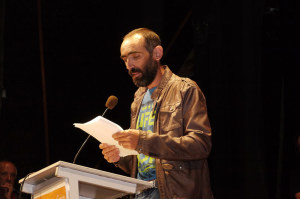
[[9, 178], [129, 64]]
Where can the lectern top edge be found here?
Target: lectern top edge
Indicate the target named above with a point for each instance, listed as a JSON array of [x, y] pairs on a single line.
[[49, 172]]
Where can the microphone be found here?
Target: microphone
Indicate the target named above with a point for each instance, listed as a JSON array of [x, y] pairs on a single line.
[[110, 104]]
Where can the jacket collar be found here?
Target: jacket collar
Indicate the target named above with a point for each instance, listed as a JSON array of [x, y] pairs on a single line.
[[163, 82]]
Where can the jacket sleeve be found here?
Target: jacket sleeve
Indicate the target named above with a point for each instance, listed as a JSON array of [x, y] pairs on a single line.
[[183, 130], [125, 163]]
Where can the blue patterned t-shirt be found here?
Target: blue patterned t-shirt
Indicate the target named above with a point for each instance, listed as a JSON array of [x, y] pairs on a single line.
[[146, 164]]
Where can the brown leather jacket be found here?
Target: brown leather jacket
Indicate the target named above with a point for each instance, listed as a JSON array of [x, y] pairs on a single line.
[[181, 140]]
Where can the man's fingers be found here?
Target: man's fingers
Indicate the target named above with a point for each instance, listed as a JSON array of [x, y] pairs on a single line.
[[119, 135], [112, 157], [110, 152], [103, 145], [123, 136], [109, 148]]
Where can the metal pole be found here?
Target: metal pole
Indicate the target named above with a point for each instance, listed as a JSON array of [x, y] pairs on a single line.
[[42, 60]]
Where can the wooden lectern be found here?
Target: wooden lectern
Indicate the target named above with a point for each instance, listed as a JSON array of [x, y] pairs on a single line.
[[63, 180]]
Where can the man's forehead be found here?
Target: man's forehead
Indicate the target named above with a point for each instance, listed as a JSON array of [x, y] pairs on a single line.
[[7, 166], [133, 41]]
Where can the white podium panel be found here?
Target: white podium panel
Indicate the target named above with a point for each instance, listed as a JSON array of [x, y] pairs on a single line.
[[63, 180]]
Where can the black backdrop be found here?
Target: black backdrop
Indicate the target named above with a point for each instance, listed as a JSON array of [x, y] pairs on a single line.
[[242, 54]]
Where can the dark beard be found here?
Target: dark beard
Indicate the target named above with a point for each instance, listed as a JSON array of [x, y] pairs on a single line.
[[148, 74]]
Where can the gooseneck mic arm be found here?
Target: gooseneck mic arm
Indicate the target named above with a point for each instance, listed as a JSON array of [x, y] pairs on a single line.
[[110, 104], [80, 149]]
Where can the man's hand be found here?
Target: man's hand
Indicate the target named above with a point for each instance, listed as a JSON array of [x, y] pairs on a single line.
[[8, 187], [128, 139], [111, 152]]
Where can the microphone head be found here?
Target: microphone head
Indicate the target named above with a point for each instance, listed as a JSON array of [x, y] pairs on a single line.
[[111, 102]]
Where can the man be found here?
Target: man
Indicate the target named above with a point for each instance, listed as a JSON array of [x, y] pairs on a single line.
[[8, 174], [169, 125]]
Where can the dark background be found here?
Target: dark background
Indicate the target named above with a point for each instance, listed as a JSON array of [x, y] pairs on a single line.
[[60, 62]]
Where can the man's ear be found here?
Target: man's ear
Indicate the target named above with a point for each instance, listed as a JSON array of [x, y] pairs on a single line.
[[158, 53]]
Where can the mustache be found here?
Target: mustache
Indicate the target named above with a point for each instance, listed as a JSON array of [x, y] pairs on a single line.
[[134, 70]]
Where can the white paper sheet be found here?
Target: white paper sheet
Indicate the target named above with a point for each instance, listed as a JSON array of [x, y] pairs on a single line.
[[102, 129]]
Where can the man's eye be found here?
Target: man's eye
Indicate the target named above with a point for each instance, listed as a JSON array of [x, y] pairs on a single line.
[[136, 56]]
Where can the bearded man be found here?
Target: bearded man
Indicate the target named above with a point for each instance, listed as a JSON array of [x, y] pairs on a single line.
[[169, 127]]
